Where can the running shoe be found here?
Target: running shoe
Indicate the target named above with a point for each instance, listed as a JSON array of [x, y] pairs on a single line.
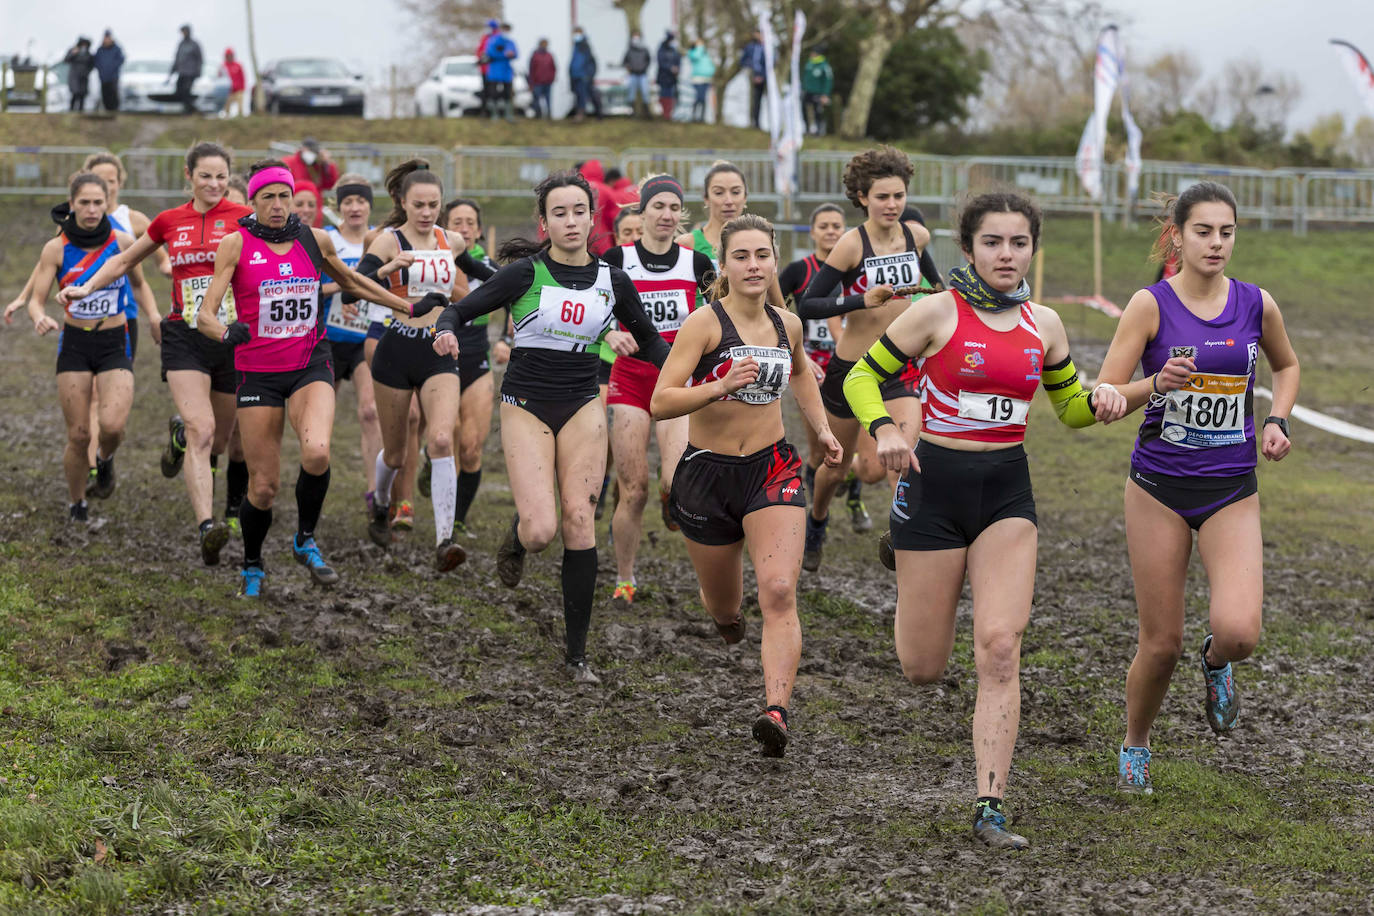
[[175, 451], [232, 523], [1223, 702], [815, 541], [251, 581], [731, 632], [461, 528], [668, 521], [78, 513], [403, 516], [886, 555], [448, 555], [426, 473], [90, 483], [1133, 771], [990, 829], [858, 514], [580, 672], [378, 528], [308, 555], [623, 596], [212, 541], [770, 731], [104, 483], [510, 556]]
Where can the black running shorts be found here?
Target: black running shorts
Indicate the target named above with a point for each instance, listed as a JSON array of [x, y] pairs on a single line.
[[79, 350], [187, 348], [713, 493], [957, 495]]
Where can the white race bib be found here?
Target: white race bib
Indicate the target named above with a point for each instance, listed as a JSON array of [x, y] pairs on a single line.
[[193, 290], [818, 334], [666, 308], [1207, 412], [432, 271], [286, 308], [895, 270], [775, 369], [103, 303], [359, 325], [993, 408], [574, 316]]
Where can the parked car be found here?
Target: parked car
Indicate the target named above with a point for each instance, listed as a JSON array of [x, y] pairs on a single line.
[[312, 85], [147, 86], [454, 89]]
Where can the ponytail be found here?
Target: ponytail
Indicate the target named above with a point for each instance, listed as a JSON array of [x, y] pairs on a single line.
[[400, 180], [745, 221]]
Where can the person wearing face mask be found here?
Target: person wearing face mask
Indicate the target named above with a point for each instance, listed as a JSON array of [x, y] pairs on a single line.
[[553, 427], [636, 64], [313, 164], [703, 70], [581, 74]]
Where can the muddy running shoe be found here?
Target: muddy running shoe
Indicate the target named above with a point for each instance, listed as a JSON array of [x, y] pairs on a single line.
[[174, 453], [1223, 702], [815, 541], [378, 528], [448, 555], [90, 483], [580, 672], [104, 483], [461, 528], [770, 731], [990, 829], [731, 632], [251, 581], [510, 556], [422, 479], [403, 516], [623, 596], [858, 514], [78, 513], [232, 523], [308, 555], [668, 521], [1133, 771], [213, 537], [886, 555]]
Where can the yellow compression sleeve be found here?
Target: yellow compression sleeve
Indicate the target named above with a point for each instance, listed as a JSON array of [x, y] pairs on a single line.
[[1071, 403], [861, 386]]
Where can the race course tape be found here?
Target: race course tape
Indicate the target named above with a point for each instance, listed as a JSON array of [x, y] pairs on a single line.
[[1323, 422]]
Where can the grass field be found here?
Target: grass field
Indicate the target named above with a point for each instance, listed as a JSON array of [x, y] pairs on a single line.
[[407, 744]]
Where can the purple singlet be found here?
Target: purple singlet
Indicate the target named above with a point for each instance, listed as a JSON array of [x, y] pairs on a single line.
[[1206, 428]]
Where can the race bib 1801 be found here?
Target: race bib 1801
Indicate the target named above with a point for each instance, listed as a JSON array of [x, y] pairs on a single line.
[[1207, 412], [286, 308], [193, 291]]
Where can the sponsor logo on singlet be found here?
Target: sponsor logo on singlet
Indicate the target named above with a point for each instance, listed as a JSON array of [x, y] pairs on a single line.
[[183, 258], [1034, 354], [973, 364], [283, 269], [976, 344], [1228, 342], [257, 258], [1189, 352], [1252, 349]]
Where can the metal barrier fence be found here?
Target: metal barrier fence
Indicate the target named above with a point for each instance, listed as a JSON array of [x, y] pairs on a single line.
[[1293, 197]]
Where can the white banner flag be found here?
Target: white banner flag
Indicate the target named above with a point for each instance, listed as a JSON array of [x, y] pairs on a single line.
[[1357, 65], [1133, 161], [785, 128], [1106, 75]]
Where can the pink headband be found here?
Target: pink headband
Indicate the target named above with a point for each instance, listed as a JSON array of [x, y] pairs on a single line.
[[274, 175]]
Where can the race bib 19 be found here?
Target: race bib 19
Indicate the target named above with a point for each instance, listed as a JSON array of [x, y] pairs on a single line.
[[432, 271], [1207, 412], [103, 303], [193, 291], [666, 308], [286, 308], [993, 408], [895, 270]]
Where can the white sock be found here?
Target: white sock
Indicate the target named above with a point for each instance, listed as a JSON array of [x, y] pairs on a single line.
[[385, 475], [443, 493]]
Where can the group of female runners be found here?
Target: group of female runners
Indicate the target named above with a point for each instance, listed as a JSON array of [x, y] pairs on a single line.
[[930, 388]]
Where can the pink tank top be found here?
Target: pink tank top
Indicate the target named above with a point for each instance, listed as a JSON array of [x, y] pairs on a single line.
[[278, 297]]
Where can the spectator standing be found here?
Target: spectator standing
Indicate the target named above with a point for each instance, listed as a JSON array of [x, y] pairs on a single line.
[[703, 71], [501, 51], [232, 69], [312, 164], [669, 66], [581, 73], [187, 65], [753, 62], [636, 64], [543, 71], [818, 81], [484, 62], [109, 60], [80, 62]]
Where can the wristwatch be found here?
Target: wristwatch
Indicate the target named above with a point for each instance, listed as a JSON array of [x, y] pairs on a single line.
[[1280, 422]]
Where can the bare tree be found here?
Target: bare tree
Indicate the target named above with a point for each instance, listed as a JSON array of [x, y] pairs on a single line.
[[1252, 96], [447, 24], [1163, 87], [1361, 141], [634, 11]]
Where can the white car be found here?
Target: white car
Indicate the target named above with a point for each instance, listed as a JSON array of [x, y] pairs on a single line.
[[454, 89], [146, 86]]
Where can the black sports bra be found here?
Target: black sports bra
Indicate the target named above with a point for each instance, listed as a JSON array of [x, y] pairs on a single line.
[[775, 363]]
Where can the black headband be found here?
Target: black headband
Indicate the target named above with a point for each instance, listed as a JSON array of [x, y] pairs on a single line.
[[659, 185], [349, 190]]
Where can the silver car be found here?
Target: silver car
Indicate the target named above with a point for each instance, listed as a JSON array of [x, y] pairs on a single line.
[[148, 86]]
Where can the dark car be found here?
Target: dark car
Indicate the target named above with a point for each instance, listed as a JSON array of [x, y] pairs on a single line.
[[312, 85]]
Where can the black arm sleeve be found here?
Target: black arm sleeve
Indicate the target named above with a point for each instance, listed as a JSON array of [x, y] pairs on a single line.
[[473, 267], [614, 256], [368, 267], [705, 271], [817, 301], [629, 310], [790, 278], [929, 270], [505, 286]]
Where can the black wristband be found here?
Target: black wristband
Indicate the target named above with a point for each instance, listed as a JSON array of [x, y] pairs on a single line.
[[879, 424], [1280, 422]]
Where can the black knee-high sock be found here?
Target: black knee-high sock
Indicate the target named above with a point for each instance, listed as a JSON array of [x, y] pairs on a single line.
[[579, 590], [310, 493], [237, 479], [467, 490], [253, 522]]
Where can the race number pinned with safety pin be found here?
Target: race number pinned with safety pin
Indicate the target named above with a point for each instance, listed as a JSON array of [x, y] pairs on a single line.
[[432, 271], [286, 308], [895, 270], [575, 318], [993, 408], [1207, 412], [193, 290]]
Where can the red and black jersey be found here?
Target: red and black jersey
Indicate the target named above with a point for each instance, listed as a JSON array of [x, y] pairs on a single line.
[[192, 238]]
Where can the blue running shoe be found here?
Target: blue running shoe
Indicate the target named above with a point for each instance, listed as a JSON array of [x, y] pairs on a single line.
[[308, 555], [990, 829], [250, 582], [1223, 702], [1133, 771]]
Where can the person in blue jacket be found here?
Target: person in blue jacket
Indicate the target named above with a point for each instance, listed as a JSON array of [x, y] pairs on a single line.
[[501, 51], [109, 60], [581, 73]]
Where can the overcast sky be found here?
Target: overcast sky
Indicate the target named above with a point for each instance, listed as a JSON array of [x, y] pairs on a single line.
[[1279, 33]]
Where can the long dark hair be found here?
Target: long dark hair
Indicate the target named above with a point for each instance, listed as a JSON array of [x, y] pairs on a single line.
[[400, 180], [519, 247], [1177, 210]]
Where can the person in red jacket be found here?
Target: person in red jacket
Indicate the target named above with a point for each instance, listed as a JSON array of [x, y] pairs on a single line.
[[312, 164], [234, 71], [603, 225], [623, 192], [543, 71]]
